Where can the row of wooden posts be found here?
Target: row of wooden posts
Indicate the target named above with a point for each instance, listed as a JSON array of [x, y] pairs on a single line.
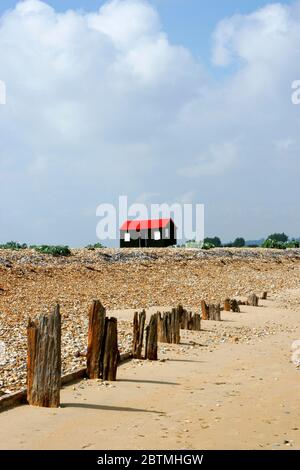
[[213, 311], [163, 327], [102, 358]]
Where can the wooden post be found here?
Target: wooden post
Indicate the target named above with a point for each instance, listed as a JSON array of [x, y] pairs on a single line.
[[138, 333], [111, 355], [227, 306], [195, 322], [166, 328], [253, 300], [205, 310], [44, 360], [160, 328], [181, 312], [214, 312], [235, 306], [96, 331], [185, 320], [175, 327], [264, 295], [217, 312], [190, 321], [151, 339]]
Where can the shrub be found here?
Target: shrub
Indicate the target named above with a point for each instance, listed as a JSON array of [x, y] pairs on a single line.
[[239, 242], [278, 237], [269, 243], [293, 244], [53, 250], [208, 246], [216, 241], [95, 246], [13, 246]]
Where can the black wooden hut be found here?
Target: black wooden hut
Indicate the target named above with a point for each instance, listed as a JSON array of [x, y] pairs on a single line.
[[148, 233]]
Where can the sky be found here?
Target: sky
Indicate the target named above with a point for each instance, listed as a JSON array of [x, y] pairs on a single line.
[[164, 101]]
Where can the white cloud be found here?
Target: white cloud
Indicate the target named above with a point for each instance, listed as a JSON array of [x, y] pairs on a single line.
[[125, 23], [262, 35], [101, 104]]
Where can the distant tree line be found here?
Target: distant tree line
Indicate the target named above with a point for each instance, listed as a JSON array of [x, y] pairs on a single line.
[[54, 250], [216, 241], [275, 240]]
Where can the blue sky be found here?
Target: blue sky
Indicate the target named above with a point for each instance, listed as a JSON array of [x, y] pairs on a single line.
[[164, 101]]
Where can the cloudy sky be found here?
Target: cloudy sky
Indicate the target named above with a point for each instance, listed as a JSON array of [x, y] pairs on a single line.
[[164, 101]]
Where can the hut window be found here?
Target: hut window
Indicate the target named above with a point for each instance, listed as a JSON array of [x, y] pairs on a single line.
[[157, 235], [127, 237], [167, 233]]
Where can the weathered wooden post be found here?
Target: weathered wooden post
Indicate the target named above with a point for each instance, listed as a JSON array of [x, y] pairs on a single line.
[[166, 328], [253, 300], [44, 360], [111, 355], [181, 312], [227, 306], [214, 312], [205, 310], [217, 312], [96, 332], [151, 339], [190, 320], [185, 320], [175, 327], [234, 305], [196, 322], [159, 327], [138, 333]]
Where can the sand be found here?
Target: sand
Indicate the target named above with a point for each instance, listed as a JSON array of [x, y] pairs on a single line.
[[241, 392]]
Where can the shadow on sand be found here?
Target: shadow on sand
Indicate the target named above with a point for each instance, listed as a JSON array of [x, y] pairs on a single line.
[[92, 406], [147, 381]]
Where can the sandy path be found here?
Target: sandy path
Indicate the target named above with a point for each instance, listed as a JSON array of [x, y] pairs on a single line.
[[236, 395]]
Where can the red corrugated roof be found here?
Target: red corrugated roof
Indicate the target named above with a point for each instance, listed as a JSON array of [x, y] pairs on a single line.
[[144, 224]]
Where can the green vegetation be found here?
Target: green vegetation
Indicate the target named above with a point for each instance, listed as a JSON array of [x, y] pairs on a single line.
[[191, 244], [13, 246], [280, 244], [215, 241], [194, 244], [47, 249], [95, 246], [278, 237], [270, 243], [239, 242], [53, 250], [208, 246], [276, 240], [293, 244]]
